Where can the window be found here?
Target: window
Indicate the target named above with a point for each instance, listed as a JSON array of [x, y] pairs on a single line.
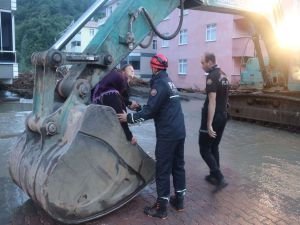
[[92, 32], [211, 32], [165, 43], [135, 61], [75, 43], [7, 51], [182, 67], [109, 10], [183, 38], [154, 44], [6, 32]]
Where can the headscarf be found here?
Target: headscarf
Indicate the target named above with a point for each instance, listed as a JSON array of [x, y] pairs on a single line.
[[113, 81]]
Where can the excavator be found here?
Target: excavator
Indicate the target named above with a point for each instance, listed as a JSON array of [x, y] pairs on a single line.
[[73, 159]]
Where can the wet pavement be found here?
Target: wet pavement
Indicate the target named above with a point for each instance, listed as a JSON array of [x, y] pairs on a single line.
[[262, 166]]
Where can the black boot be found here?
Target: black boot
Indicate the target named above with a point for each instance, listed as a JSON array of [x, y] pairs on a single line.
[[221, 182], [211, 179], [177, 201], [159, 209], [220, 185]]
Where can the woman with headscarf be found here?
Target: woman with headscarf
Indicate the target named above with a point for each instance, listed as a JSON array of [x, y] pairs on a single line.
[[110, 91]]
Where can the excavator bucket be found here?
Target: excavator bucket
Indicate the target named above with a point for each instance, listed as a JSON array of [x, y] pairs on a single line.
[[86, 171]]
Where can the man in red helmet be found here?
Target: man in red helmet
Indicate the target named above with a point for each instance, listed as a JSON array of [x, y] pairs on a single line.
[[164, 107]]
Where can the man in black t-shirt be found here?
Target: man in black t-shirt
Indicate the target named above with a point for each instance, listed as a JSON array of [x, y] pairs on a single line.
[[214, 118]]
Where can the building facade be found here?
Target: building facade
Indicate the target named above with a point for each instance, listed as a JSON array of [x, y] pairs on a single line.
[[228, 36], [8, 62], [82, 38]]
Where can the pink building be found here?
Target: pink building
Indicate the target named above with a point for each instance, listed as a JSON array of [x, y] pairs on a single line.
[[228, 36]]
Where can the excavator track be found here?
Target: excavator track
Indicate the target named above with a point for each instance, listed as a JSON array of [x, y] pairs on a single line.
[[279, 109]]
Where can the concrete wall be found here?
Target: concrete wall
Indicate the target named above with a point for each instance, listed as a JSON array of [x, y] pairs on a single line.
[[145, 71], [6, 71], [145, 57]]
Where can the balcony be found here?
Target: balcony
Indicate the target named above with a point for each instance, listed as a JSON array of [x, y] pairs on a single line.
[[242, 46]]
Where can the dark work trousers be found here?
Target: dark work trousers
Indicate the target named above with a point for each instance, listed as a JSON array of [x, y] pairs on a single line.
[[169, 160], [209, 147]]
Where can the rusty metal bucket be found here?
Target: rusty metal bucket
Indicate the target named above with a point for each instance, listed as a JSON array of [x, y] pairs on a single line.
[[84, 172]]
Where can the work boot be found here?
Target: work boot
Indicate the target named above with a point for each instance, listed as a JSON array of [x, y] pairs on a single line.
[[159, 209], [211, 179], [220, 185], [177, 201], [220, 181]]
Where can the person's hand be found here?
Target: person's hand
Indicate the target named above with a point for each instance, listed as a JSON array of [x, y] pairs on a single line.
[[122, 116], [211, 132], [134, 105], [133, 141]]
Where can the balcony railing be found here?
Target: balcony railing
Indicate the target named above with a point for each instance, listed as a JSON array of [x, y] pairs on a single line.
[[242, 46]]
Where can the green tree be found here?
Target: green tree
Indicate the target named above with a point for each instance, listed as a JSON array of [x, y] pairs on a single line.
[[39, 22]]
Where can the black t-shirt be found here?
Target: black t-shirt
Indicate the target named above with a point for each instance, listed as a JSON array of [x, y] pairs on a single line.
[[218, 83]]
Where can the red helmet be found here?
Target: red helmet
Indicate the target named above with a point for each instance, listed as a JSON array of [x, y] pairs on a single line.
[[159, 61]]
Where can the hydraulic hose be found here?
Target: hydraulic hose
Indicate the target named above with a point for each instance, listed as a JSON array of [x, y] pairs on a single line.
[[149, 41], [164, 37]]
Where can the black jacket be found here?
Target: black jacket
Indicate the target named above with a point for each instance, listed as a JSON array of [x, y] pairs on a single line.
[[164, 107], [218, 83]]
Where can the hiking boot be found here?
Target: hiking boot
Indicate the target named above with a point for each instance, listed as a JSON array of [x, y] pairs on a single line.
[[210, 179], [159, 209], [177, 201]]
